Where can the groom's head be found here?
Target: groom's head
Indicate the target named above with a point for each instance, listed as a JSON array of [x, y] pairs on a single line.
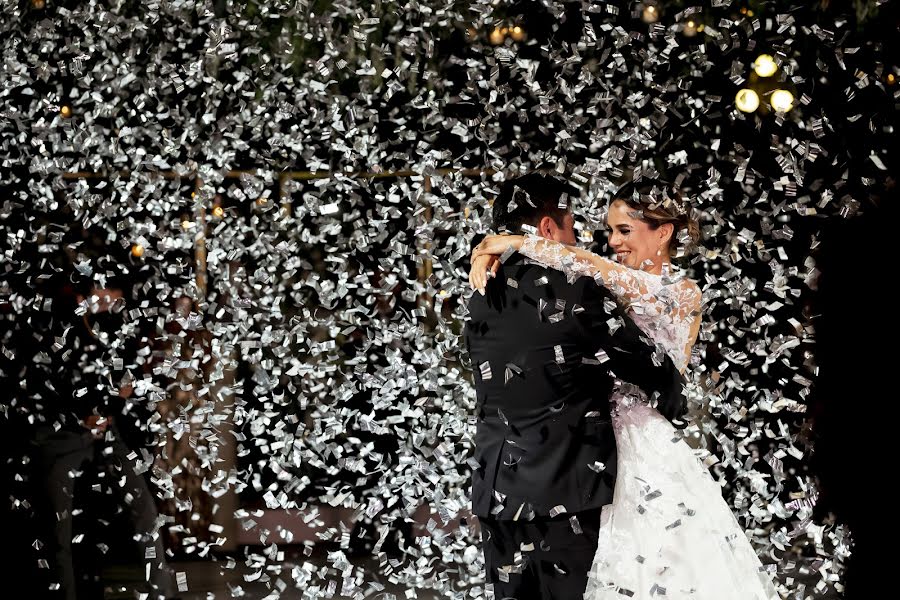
[[537, 201]]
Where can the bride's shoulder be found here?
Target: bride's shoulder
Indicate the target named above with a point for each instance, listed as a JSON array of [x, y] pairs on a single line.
[[688, 284], [688, 290]]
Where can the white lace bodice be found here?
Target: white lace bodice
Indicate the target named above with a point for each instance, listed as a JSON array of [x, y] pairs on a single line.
[[665, 306]]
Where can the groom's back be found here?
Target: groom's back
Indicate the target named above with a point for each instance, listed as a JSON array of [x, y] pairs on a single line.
[[526, 344], [543, 411]]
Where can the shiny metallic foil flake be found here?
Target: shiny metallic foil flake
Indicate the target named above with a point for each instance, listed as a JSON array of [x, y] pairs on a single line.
[[576, 526], [558, 352], [485, 369], [597, 466]]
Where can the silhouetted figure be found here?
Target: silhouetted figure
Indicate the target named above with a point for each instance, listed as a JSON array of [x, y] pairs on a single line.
[[854, 345], [74, 362]]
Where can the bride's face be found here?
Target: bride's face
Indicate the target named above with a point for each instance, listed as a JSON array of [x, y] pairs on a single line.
[[630, 238]]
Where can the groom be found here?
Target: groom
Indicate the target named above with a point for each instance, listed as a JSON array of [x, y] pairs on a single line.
[[545, 353]]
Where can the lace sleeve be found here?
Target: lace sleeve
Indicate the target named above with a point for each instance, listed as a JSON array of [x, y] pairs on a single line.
[[671, 315], [666, 307], [628, 285]]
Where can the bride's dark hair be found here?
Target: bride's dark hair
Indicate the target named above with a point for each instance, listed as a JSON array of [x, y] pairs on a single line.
[[657, 203]]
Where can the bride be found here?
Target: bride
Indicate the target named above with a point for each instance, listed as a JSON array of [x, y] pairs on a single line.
[[668, 532]]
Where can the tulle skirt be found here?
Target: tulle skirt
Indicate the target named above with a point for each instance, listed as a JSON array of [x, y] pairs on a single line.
[[668, 533]]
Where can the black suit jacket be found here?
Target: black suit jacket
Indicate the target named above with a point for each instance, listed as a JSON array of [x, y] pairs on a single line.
[[545, 354]]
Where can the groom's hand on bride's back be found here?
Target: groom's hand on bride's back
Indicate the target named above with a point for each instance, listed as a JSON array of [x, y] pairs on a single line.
[[671, 401], [628, 353]]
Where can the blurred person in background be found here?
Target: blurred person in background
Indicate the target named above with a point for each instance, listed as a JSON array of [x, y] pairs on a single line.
[[75, 368]]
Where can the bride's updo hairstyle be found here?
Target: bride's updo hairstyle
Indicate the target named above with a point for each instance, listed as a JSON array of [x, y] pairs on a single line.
[[657, 203]]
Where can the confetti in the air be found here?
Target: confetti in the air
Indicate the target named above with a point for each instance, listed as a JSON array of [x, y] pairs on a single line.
[[287, 191]]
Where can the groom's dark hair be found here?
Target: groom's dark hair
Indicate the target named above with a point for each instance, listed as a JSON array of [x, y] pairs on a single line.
[[528, 199]]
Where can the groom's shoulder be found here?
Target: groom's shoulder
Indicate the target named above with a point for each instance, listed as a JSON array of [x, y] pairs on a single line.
[[527, 275], [589, 289], [521, 276]]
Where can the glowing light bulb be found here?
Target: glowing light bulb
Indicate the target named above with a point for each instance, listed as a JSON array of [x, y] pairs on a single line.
[[782, 101], [765, 65], [747, 100]]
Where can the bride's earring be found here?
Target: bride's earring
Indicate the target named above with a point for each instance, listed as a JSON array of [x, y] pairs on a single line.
[[659, 252]]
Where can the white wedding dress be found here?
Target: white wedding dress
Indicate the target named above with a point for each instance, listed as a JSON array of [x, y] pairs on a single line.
[[668, 533]]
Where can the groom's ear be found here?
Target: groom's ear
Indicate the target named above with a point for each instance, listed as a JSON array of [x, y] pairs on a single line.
[[546, 227]]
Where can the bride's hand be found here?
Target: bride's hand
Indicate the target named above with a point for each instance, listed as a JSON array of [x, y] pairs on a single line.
[[497, 244], [484, 267], [486, 258]]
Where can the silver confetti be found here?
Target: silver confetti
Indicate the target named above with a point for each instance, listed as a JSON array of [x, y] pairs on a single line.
[[485, 369]]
